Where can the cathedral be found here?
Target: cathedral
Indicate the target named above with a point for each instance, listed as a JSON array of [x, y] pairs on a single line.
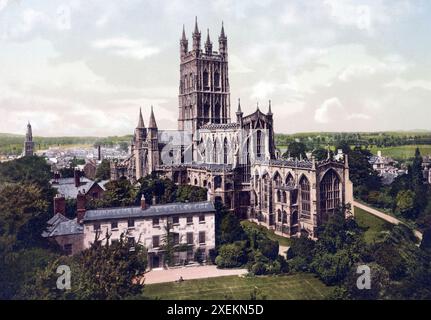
[[236, 161]]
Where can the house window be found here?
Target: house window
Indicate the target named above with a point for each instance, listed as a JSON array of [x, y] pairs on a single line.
[[96, 227], [201, 218], [189, 220], [176, 238], [202, 237], [175, 220], [156, 241], [130, 223], [156, 222], [114, 225], [131, 241], [189, 237], [68, 249]]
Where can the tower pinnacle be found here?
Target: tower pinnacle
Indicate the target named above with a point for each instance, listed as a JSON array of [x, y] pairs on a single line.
[[152, 124], [141, 120], [208, 44]]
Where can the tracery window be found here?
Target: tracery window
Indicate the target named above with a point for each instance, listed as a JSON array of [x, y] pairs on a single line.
[[305, 197]]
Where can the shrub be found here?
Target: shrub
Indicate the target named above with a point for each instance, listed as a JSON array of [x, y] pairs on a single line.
[[231, 255]]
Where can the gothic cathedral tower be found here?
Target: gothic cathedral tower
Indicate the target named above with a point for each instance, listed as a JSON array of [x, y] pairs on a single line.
[[204, 95], [28, 143]]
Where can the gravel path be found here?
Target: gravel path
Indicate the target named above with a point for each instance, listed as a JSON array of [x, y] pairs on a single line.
[[383, 216], [189, 273]]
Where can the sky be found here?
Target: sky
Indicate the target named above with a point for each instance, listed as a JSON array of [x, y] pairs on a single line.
[[86, 67]]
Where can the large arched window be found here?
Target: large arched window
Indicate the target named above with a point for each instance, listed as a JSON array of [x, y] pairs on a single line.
[[266, 185], [259, 143], [205, 79], [215, 151], [304, 185], [217, 182], [216, 79], [206, 112], [225, 151], [217, 115], [290, 182], [278, 181], [330, 192]]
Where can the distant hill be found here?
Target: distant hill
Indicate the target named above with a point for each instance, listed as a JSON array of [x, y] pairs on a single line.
[[11, 144]]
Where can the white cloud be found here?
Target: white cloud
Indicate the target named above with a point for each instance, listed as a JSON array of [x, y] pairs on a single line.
[[263, 90], [328, 111], [358, 116], [237, 65], [126, 47], [409, 84]]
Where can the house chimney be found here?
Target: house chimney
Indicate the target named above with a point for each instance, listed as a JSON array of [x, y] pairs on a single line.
[[81, 201], [99, 152], [143, 203], [154, 200], [56, 177], [77, 176], [59, 204]]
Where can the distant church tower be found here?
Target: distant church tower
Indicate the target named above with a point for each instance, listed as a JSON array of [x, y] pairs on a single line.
[[204, 95], [28, 143]]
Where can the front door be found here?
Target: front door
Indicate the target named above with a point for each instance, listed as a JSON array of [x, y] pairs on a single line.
[[155, 262]]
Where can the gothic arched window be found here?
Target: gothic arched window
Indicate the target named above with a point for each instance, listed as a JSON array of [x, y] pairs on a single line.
[[290, 182], [216, 79], [305, 197], [330, 192], [206, 79], [225, 151], [259, 143], [215, 152]]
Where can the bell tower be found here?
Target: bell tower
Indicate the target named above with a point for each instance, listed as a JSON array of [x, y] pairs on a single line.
[[204, 94]]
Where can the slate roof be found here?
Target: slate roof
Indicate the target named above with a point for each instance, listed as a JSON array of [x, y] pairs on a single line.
[[153, 211], [66, 186], [212, 167], [59, 225]]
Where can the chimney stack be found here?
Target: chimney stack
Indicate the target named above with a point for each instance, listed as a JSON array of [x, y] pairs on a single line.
[[99, 152], [81, 201], [77, 176], [56, 177], [59, 204], [143, 203], [154, 200]]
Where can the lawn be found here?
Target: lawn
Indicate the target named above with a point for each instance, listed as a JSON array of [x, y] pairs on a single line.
[[287, 287], [402, 153], [285, 242], [373, 225]]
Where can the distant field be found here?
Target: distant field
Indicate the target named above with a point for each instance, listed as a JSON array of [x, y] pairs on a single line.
[[290, 287], [373, 224], [403, 153]]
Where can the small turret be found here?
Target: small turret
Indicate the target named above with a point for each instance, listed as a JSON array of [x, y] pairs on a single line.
[[222, 40], [239, 113], [208, 44], [184, 43], [269, 109], [196, 37]]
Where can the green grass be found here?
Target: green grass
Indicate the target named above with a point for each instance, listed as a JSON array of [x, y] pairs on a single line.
[[373, 225], [290, 287], [285, 242], [402, 153]]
